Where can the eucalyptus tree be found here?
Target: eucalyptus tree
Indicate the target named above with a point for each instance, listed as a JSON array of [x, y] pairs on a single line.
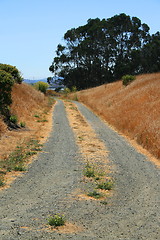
[[127, 36], [100, 51], [150, 55]]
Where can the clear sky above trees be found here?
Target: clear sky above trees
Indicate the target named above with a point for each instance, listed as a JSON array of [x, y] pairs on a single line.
[[31, 30]]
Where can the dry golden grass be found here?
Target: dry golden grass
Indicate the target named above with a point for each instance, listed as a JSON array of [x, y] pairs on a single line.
[[27, 102], [91, 147], [3, 127], [133, 110]]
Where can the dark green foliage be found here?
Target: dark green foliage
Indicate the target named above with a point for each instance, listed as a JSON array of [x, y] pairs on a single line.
[[127, 79], [13, 119], [150, 55], [6, 83], [8, 76], [22, 124], [13, 71], [105, 50]]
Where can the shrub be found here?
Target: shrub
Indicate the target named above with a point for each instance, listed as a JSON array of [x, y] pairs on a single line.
[[6, 83], [13, 119], [56, 220], [73, 89], [41, 86], [105, 185], [66, 91], [22, 124], [127, 79], [8, 76], [13, 71]]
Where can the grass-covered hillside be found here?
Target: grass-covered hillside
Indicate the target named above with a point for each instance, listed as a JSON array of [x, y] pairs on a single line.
[[133, 110], [31, 110]]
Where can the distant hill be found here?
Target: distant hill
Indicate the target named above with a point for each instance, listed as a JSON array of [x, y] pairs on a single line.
[[53, 86], [29, 81]]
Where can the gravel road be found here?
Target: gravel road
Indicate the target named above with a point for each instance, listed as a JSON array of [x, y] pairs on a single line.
[[49, 185]]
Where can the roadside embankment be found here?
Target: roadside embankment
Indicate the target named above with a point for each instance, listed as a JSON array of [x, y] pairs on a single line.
[[133, 110], [34, 115]]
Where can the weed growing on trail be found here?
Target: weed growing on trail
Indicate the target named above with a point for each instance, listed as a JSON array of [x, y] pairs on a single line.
[[89, 171], [95, 194], [80, 138], [105, 185], [56, 220]]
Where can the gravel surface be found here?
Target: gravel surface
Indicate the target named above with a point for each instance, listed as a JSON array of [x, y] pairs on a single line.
[[49, 185]]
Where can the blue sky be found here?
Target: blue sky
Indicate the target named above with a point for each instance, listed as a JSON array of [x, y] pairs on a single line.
[[31, 29]]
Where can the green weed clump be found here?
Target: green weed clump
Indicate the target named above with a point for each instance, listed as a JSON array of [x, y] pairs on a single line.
[[105, 185], [56, 220], [42, 120], [89, 171], [127, 79], [95, 194], [16, 160], [13, 119], [36, 116], [22, 124]]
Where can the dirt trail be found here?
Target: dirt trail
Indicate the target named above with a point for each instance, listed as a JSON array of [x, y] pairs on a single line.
[[52, 181]]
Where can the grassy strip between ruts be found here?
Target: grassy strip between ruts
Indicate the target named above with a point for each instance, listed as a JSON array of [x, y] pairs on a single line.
[[96, 172]]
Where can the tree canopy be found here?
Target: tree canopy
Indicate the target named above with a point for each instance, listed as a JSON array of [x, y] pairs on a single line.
[[104, 50], [16, 76], [8, 76]]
